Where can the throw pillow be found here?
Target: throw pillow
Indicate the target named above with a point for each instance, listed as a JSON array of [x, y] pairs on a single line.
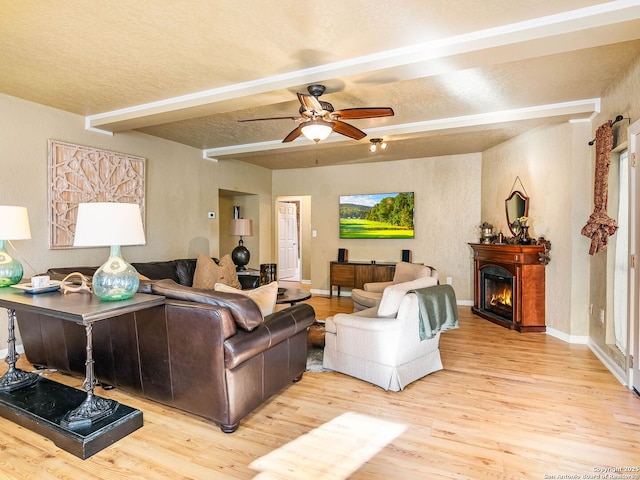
[[393, 295], [264, 296], [207, 273], [227, 272]]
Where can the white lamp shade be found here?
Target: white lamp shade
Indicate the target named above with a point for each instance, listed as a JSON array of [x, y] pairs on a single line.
[[105, 224], [242, 227], [14, 223], [317, 130]]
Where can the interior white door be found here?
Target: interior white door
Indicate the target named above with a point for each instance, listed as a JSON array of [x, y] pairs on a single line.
[[287, 240], [634, 243]]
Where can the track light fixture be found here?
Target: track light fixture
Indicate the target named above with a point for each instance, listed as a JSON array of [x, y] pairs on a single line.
[[377, 143]]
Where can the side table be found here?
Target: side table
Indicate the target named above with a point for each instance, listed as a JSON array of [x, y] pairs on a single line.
[[249, 278], [292, 295], [80, 424]]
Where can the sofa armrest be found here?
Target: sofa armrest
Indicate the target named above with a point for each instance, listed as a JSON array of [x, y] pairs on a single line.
[[364, 319], [245, 311], [377, 287], [276, 328], [226, 325]]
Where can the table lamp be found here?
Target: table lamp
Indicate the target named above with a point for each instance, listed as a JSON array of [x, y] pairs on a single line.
[[111, 224], [240, 255], [14, 225]]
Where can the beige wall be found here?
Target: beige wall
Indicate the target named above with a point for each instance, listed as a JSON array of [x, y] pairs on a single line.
[[181, 188], [447, 212], [552, 163]]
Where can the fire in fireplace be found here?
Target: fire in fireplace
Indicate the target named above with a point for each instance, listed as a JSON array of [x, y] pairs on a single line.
[[497, 286]]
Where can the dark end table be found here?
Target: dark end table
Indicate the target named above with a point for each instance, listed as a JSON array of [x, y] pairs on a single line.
[[292, 295]]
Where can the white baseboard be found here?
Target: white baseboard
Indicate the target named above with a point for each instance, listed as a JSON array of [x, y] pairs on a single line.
[[613, 367], [327, 292], [576, 339]]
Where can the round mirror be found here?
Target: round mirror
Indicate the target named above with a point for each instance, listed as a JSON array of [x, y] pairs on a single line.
[[517, 206]]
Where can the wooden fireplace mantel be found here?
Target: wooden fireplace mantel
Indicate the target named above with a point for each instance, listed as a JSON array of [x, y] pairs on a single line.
[[525, 264]]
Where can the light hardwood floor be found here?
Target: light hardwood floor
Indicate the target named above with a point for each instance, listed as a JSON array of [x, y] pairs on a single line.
[[505, 406]]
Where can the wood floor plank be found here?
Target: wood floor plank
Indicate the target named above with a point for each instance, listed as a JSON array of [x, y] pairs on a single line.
[[505, 406]]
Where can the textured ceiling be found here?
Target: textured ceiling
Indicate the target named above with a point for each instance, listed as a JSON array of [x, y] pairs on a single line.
[[461, 75]]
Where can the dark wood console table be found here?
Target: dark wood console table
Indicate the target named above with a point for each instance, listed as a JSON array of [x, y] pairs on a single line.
[[356, 274], [80, 423], [524, 264]]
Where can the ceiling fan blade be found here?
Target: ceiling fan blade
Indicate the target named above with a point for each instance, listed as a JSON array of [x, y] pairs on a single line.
[[348, 130], [295, 133], [268, 118], [364, 112], [310, 102]]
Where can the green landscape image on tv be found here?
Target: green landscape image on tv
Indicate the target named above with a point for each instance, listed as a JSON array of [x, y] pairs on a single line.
[[378, 215]]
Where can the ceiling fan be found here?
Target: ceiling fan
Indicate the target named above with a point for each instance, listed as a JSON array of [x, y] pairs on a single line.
[[318, 119]]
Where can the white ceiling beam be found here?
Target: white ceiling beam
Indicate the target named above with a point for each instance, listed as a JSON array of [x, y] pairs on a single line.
[[506, 43], [579, 108]]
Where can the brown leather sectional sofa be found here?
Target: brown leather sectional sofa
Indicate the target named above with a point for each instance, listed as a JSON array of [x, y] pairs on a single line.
[[208, 353]]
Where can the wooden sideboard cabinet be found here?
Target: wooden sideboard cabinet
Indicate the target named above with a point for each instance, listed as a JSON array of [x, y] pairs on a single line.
[[356, 274]]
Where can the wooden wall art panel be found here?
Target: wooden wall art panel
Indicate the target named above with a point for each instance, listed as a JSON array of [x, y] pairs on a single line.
[[79, 174]]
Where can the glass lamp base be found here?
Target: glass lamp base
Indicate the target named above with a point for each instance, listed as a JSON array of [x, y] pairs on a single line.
[[116, 279], [10, 269]]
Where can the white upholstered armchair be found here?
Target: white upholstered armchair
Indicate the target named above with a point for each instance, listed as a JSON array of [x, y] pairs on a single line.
[[371, 293], [382, 345]]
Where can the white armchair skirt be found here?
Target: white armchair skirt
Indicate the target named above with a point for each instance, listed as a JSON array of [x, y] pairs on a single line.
[[384, 351]]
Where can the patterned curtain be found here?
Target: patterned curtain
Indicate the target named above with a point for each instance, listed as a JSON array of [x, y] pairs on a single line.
[[600, 226]]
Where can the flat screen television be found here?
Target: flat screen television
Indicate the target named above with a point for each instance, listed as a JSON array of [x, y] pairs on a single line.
[[377, 215]]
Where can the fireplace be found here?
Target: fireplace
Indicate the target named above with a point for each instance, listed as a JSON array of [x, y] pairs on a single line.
[[509, 285], [497, 292]]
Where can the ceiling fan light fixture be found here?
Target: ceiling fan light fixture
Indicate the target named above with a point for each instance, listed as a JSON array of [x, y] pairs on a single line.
[[377, 143], [316, 130]]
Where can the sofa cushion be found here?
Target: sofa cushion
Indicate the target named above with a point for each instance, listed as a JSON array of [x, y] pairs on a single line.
[[393, 295], [185, 269], [228, 274], [246, 313], [208, 273], [58, 273], [157, 270], [265, 296]]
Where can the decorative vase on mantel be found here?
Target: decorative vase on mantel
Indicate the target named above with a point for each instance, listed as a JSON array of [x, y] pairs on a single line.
[[525, 239]]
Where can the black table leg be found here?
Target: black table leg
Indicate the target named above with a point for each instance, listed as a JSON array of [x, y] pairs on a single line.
[[92, 409], [14, 378]]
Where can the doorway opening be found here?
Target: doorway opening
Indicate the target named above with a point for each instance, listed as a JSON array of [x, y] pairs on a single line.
[[293, 238], [618, 262]]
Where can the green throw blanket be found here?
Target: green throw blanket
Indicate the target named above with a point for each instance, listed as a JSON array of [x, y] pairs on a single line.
[[438, 310]]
